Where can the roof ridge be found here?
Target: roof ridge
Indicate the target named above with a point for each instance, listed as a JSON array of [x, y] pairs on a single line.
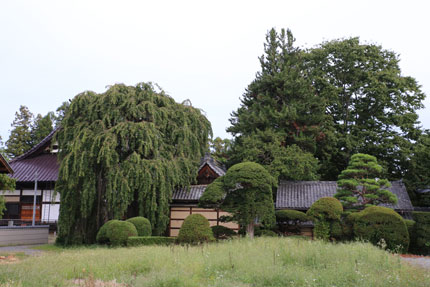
[[36, 147]]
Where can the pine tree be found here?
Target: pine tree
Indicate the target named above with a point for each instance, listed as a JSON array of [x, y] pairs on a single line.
[[122, 153], [280, 108], [359, 185], [41, 127], [20, 139], [246, 192]]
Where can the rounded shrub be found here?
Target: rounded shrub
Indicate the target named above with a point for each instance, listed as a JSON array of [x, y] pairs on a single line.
[[101, 237], [325, 208], [382, 226], [116, 232], [143, 226], [195, 230], [222, 232]]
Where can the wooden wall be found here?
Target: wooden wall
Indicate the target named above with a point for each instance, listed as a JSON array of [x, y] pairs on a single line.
[[179, 213]]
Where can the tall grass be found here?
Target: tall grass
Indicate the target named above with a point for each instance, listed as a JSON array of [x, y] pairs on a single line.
[[261, 262]]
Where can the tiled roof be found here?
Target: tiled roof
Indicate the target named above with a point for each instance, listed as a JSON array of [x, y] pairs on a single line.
[[192, 194], [45, 165], [302, 194], [216, 166]]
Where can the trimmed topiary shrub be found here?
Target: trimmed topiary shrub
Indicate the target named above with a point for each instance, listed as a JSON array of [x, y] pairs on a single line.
[[195, 230], [143, 226], [382, 225], [116, 232], [325, 208], [421, 233], [323, 213], [102, 234], [222, 232], [150, 240]]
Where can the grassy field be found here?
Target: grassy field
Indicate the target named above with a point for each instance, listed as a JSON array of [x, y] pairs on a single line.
[[262, 262]]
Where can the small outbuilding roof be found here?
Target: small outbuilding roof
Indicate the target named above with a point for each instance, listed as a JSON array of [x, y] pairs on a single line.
[[302, 194], [216, 166]]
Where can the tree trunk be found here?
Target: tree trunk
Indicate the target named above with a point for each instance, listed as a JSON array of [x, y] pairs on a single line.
[[250, 230]]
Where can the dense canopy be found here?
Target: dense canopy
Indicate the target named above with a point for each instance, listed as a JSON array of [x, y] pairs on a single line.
[[122, 153]]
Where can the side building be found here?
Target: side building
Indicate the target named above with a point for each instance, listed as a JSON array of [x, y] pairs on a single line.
[[39, 165]]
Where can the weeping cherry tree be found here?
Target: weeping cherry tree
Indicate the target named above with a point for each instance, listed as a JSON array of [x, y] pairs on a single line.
[[122, 153]]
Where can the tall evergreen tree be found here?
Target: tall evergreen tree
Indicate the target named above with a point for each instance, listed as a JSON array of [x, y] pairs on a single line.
[[123, 152], [373, 106], [41, 127], [20, 139], [280, 108]]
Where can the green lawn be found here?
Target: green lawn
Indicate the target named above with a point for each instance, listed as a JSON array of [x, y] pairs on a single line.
[[262, 262]]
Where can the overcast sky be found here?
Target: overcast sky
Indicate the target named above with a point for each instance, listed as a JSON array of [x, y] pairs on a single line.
[[205, 51]]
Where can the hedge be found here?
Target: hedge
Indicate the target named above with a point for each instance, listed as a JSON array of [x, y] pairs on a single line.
[[150, 240], [287, 215], [143, 226], [379, 224], [195, 230], [420, 243]]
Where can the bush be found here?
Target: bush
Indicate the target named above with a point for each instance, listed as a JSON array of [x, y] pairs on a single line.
[[102, 237], [377, 223], [421, 231], [195, 230], [143, 226], [222, 232], [150, 240], [325, 208], [116, 232]]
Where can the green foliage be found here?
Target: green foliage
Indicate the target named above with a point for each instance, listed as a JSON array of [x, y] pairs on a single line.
[[279, 109], [220, 149], [418, 175], [102, 237], [377, 223], [6, 183], [289, 220], [372, 105], [41, 127], [222, 232], [20, 139], [127, 145], [116, 232], [214, 194], [325, 209], [359, 186], [150, 240], [420, 243], [324, 212], [410, 226], [246, 192], [288, 215], [142, 224], [266, 233], [195, 230]]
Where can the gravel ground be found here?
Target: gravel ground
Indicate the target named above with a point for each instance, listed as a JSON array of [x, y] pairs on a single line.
[[422, 261], [27, 249]]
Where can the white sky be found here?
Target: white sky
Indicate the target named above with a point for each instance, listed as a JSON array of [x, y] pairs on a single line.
[[205, 51]]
